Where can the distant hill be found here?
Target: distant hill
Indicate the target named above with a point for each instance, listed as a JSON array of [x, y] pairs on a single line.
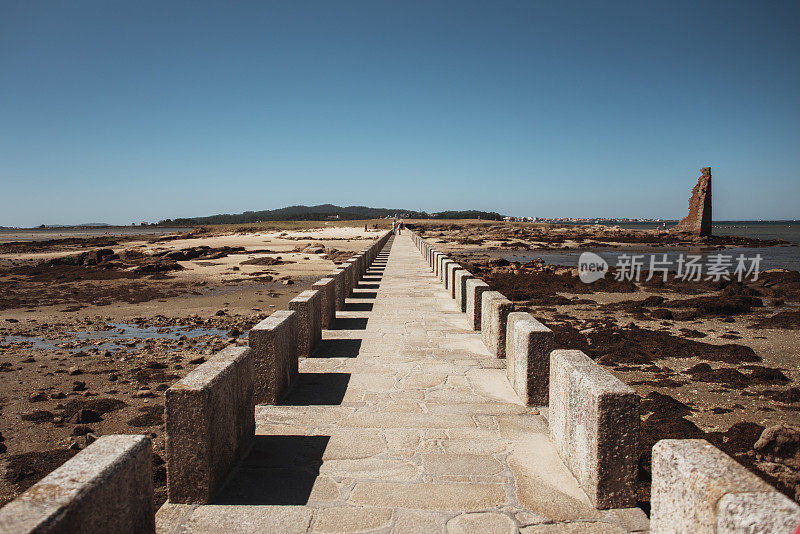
[[324, 212], [84, 225]]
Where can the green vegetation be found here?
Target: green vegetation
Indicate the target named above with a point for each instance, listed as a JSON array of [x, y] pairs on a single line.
[[325, 212]]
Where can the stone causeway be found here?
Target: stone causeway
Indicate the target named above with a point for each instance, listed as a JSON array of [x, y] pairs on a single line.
[[400, 395]]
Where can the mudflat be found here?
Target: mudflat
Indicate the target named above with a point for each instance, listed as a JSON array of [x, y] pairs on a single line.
[[93, 329]]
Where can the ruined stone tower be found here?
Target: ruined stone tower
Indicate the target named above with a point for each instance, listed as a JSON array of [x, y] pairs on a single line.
[[699, 219]]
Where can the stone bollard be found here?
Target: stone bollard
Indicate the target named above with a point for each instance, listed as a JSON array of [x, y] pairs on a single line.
[[352, 274], [449, 278], [475, 289], [210, 422], [339, 276], [446, 263], [309, 321], [594, 424], [107, 487], [494, 316], [698, 488], [361, 266], [460, 288], [528, 347], [327, 291], [440, 265], [274, 345]]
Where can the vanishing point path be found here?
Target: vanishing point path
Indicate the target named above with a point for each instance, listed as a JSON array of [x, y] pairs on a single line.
[[400, 421]]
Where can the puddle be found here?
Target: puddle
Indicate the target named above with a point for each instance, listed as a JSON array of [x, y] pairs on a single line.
[[36, 342], [128, 336]]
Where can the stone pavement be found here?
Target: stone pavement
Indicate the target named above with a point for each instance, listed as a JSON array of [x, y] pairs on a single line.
[[400, 421]]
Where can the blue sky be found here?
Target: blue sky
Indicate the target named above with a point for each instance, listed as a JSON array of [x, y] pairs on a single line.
[[129, 111]]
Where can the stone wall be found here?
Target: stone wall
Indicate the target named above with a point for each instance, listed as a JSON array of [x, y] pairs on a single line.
[[495, 308], [210, 422], [327, 291], [107, 487], [698, 488], [594, 424], [275, 355], [528, 347], [308, 306]]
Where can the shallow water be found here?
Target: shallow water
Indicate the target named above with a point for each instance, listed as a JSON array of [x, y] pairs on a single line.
[[771, 257], [779, 257], [120, 331], [8, 235]]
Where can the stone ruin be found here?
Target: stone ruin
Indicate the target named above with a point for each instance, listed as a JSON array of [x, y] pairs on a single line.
[[699, 219]]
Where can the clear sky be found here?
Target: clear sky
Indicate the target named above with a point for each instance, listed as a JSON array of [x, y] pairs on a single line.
[[117, 111]]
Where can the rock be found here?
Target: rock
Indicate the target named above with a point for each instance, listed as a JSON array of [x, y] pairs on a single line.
[[89, 438], [38, 397], [653, 300], [662, 313], [288, 282], [779, 442], [75, 371], [79, 385], [197, 360], [85, 416], [220, 313], [3, 448], [699, 219], [94, 257], [158, 267], [81, 430]]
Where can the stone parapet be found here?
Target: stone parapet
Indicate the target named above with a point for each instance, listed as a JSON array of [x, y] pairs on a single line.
[[107, 487], [210, 423], [594, 424]]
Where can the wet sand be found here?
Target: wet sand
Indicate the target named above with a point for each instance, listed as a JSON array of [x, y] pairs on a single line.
[[93, 330]]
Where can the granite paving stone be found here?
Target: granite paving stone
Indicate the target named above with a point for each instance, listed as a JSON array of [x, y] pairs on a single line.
[[401, 420]]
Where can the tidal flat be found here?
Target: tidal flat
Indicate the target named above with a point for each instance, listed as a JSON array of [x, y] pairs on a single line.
[[712, 359], [94, 328]]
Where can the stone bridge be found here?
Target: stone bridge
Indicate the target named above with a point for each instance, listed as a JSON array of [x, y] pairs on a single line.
[[401, 395]]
